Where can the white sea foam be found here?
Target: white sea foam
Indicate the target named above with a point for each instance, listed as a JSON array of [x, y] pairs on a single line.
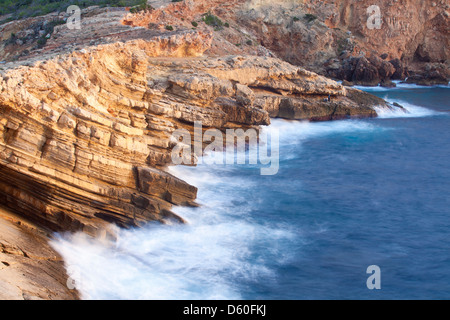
[[293, 131], [222, 244], [403, 85], [376, 88], [411, 111], [400, 85], [197, 261]]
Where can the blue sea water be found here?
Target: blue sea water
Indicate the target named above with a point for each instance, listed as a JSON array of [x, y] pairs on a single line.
[[348, 195]]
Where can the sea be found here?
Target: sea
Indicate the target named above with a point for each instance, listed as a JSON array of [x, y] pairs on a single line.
[[348, 195]]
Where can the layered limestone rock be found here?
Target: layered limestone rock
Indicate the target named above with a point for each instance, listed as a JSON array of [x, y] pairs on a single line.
[[78, 132], [85, 137]]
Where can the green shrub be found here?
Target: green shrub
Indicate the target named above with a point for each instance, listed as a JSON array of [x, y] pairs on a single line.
[[141, 7], [296, 19], [170, 28], [310, 17], [50, 26], [213, 21], [12, 39], [194, 24], [42, 42]]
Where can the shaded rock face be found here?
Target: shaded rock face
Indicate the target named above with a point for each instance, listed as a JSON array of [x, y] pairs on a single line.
[[434, 74], [85, 137], [369, 72], [322, 35], [413, 32], [401, 71]]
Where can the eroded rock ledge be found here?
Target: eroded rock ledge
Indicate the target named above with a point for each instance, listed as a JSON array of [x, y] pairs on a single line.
[[85, 137]]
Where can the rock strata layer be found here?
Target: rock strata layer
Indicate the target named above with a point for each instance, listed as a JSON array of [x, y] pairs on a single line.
[[85, 137]]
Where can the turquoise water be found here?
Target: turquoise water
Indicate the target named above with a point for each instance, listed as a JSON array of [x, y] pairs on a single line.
[[349, 194]]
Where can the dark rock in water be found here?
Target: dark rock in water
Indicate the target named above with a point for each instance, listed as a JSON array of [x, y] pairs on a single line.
[[399, 106], [416, 78], [431, 78], [395, 104], [388, 84]]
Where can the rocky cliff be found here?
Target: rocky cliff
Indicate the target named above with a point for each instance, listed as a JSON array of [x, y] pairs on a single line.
[[87, 116], [85, 137], [412, 35], [332, 38]]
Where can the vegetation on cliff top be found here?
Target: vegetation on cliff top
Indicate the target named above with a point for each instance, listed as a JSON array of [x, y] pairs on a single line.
[[33, 8], [212, 20]]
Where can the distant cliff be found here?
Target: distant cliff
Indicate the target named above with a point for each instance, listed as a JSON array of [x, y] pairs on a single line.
[[332, 38]]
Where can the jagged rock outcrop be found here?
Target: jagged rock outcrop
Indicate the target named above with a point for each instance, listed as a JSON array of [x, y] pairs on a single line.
[[368, 72], [85, 137], [433, 74]]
